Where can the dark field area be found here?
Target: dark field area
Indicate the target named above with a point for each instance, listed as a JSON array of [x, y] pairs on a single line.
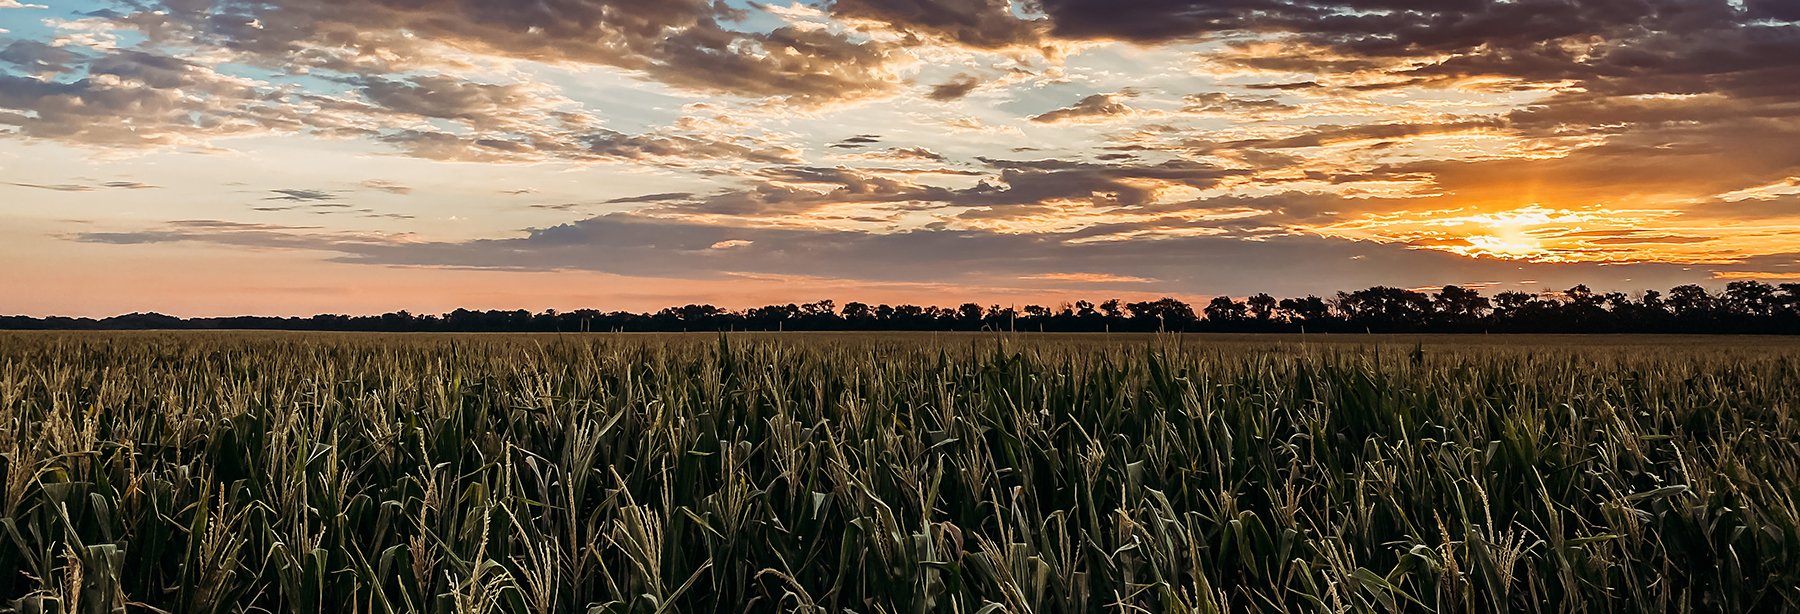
[[898, 473]]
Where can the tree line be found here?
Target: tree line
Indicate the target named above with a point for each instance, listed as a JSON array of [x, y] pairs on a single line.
[[1745, 307]]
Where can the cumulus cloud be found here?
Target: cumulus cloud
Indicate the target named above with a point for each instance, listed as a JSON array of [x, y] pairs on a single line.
[[510, 107], [983, 24], [134, 100], [1098, 107], [637, 147], [38, 57], [903, 154], [784, 191], [1368, 119], [679, 42]]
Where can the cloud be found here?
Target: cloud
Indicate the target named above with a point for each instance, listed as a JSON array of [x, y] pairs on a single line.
[[387, 186], [637, 245], [980, 24], [1221, 104], [1332, 135], [652, 198], [15, 4], [678, 42], [75, 187], [1381, 120], [954, 89], [779, 192], [39, 58], [1021, 189], [1098, 107], [1089, 278], [302, 195], [1760, 275], [483, 107], [399, 58], [902, 154], [137, 100], [671, 147], [63, 187], [244, 235]]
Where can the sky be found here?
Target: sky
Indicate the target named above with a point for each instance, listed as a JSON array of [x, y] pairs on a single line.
[[291, 157]]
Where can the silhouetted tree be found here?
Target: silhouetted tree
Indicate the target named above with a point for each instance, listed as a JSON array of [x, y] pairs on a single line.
[[1112, 308], [969, 314], [1750, 298], [1168, 313], [1262, 307], [1745, 306], [1385, 307], [1459, 305], [1223, 310], [1311, 310], [1690, 302]]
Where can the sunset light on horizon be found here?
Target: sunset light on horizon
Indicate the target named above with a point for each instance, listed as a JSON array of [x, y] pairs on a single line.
[[293, 157]]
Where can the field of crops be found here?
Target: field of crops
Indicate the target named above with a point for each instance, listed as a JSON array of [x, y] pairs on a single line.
[[291, 472]]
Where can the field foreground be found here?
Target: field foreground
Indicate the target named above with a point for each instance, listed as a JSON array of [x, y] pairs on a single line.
[[280, 472]]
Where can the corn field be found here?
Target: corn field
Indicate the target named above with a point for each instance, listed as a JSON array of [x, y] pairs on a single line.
[[273, 472]]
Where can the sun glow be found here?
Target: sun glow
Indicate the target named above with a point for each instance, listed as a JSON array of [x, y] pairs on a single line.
[[1537, 233]]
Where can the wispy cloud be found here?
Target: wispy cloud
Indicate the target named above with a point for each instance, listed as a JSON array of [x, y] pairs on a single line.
[[387, 186], [78, 187], [302, 195]]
